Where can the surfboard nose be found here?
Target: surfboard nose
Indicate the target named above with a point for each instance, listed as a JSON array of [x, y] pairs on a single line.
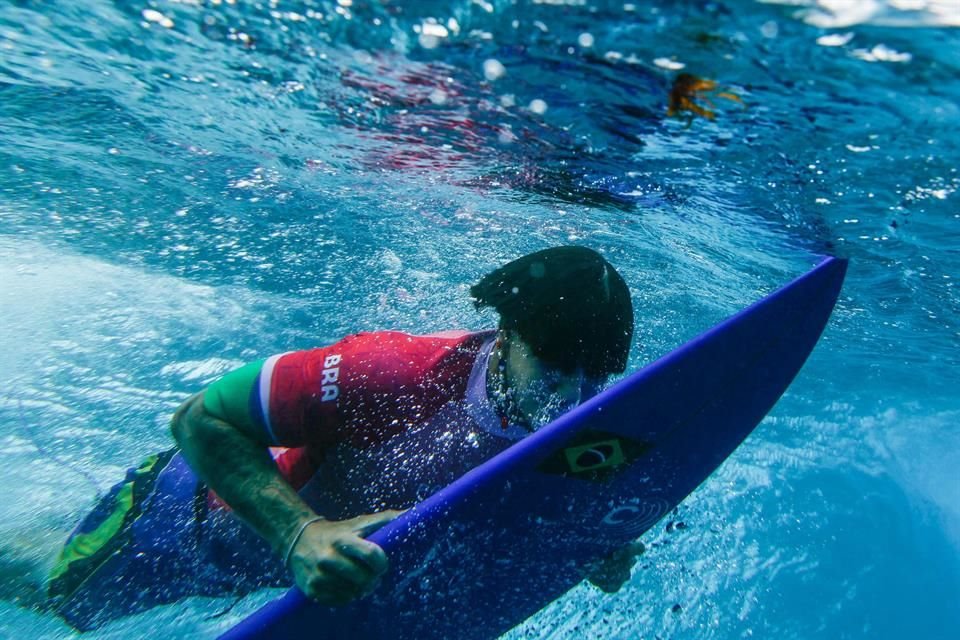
[[833, 272]]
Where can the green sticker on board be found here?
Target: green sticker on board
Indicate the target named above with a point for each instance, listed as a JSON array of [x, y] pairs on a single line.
[[593, 456]]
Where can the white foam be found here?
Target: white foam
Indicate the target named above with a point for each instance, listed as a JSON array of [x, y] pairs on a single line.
[[95, 358], [837, 14], [923, 452]]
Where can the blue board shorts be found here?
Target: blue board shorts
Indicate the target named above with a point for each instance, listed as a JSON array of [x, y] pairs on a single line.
[[153, 540]]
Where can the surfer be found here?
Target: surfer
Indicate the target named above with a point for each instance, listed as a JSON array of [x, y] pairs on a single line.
[[313, 450]]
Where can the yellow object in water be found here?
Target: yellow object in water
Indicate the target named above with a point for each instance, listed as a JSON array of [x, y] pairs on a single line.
[[688, 88]]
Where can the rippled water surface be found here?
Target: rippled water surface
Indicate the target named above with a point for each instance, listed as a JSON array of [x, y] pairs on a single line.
[[188, 185]]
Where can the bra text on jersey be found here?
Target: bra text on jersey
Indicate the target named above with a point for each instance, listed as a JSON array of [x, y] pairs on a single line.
[[329, 377]]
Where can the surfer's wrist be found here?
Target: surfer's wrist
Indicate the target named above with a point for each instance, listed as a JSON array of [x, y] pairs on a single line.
[[298, 534]]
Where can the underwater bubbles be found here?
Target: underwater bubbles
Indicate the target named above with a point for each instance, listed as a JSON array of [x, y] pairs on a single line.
[[493, 69]]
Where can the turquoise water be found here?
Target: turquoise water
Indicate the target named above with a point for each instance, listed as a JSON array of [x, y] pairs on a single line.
[[189, 185]]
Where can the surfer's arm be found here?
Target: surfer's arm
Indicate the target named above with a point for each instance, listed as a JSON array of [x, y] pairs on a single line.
[[330, 561], [240, 469]]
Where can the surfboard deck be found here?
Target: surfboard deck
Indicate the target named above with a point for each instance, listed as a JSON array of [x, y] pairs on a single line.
[[515, 533]]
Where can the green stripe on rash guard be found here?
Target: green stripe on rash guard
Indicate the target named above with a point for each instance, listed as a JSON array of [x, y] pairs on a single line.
[[229, 397]]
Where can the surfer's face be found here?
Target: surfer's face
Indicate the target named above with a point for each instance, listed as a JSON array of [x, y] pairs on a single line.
[[543, 393]]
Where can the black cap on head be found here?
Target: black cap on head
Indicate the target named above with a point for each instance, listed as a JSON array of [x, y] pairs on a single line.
[[568, 304]]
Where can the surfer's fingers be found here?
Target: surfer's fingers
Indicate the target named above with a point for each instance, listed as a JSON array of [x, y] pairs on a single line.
[[612, 584], [610, 577], [627, 553], [613, 571], [351, 564], [366, 553], [365, 525], [332, 597], [345, 571], [326, 586], [331, 588]]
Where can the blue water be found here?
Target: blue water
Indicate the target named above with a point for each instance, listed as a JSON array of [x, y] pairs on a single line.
[[189, 185]]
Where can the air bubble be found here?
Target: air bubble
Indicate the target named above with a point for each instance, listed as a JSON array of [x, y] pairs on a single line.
[[493, 70], [538, 106]]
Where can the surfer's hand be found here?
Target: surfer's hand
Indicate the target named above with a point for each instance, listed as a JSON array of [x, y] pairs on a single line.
[[612, 572], [332, 563]]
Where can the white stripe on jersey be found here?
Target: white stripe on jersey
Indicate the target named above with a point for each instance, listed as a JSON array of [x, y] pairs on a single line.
[[266, 378]]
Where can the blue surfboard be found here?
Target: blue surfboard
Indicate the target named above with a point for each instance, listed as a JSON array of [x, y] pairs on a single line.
[[515, 533]]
